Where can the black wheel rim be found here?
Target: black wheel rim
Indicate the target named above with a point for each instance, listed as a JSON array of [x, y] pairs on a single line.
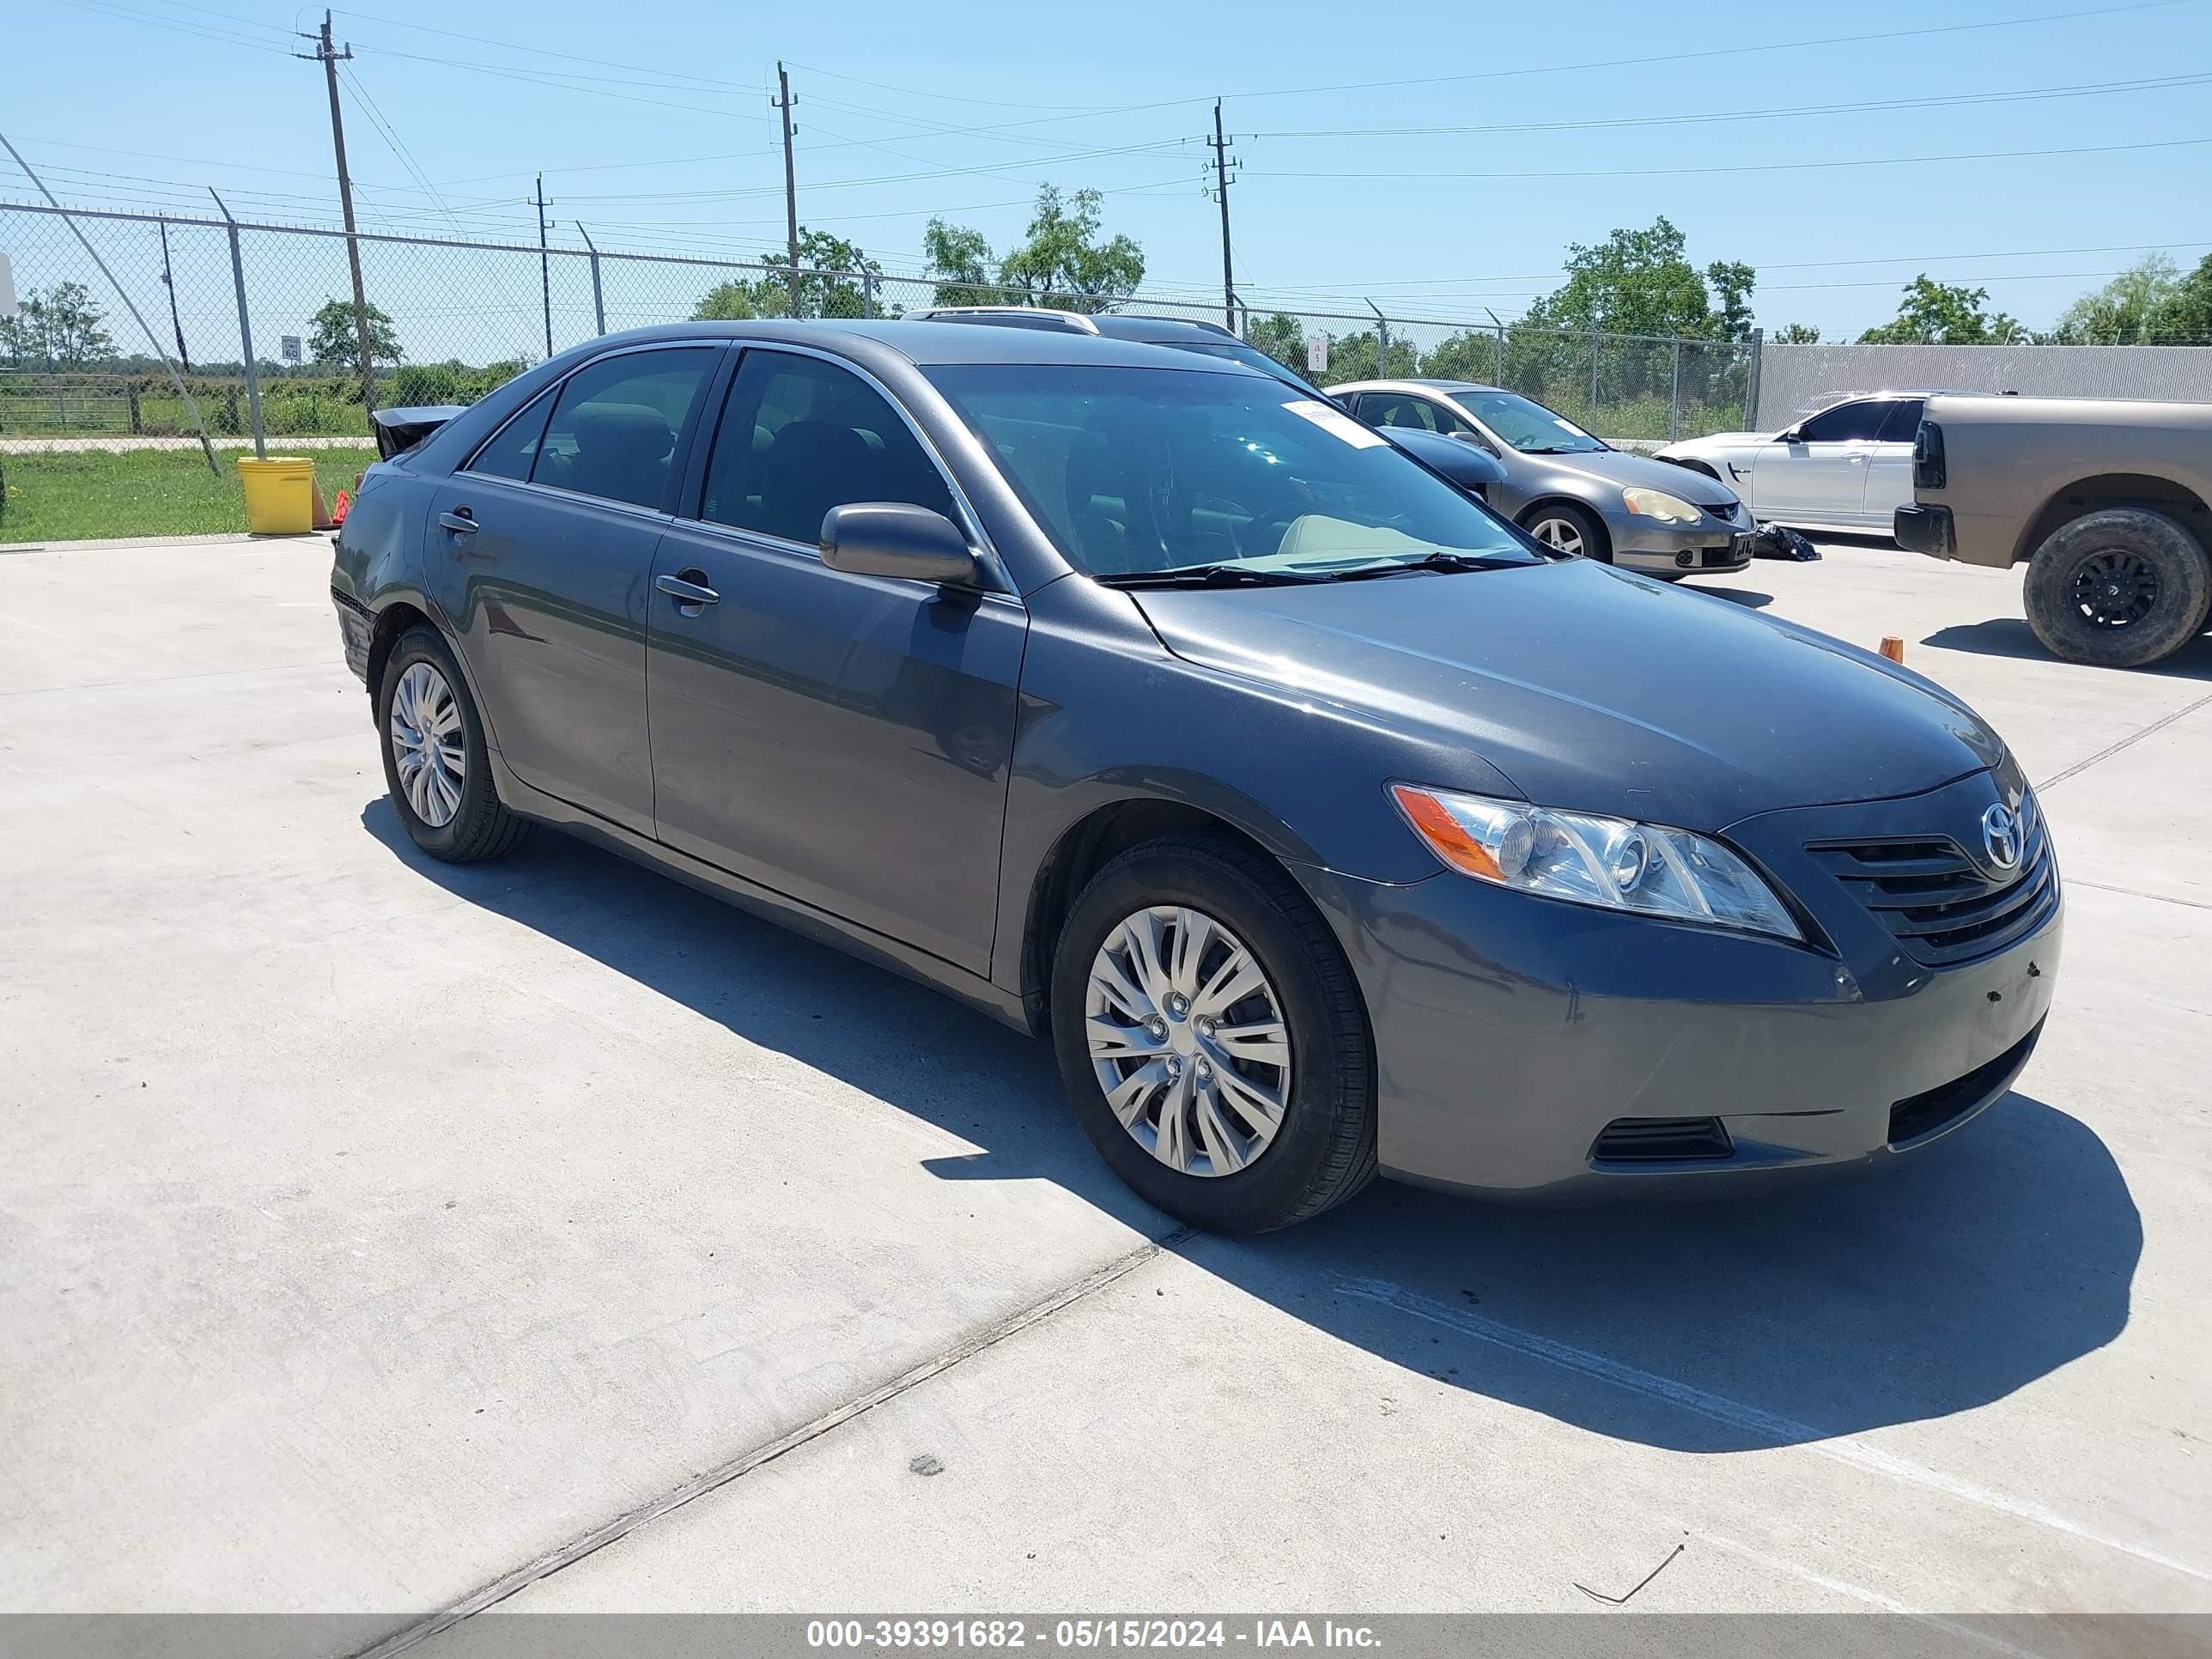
[[2114, 589]]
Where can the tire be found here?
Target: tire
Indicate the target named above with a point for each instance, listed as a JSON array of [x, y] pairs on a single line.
[[1322, 1149], [1558, 523], [2146, 574], [476, 826]]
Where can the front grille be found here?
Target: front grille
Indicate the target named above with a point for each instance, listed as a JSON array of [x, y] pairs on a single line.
[[1940, 906], [1661, 1140], [1924, 1114]]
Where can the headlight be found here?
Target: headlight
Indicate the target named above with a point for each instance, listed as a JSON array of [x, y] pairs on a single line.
[[1617, 863], [1658, 504]]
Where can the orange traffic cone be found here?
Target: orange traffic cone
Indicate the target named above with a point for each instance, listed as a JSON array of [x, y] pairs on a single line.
[[345, 505]]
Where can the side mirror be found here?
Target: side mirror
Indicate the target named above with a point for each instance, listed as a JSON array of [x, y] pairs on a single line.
[[1791, 436], [894, 538]]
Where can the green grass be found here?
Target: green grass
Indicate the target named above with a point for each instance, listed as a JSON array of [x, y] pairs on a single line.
[[145, 492]]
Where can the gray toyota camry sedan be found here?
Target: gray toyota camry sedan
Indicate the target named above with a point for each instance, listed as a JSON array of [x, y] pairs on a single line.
[[1326, 823]]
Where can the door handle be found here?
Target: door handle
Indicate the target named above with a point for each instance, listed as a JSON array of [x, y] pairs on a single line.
[[691, 596], [459, 521]]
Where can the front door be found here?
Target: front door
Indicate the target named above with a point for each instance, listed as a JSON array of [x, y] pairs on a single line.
[[1818, 474], [843, 739], [541, 551]]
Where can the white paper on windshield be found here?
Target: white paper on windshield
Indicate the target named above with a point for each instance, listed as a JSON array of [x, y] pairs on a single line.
[[1566, 425], [1336, 424]]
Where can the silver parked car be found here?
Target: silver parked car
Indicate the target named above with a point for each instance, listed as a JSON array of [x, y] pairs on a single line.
[[1848, 467], [1568, 488]]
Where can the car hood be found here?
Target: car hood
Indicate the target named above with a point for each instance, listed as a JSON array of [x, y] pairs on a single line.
[[1589, 688], [1617, 467], [1717, 440]]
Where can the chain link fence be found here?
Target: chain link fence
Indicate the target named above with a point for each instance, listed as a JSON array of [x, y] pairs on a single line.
[[452, 319]]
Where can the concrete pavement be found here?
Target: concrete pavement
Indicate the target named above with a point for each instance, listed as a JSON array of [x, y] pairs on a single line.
[[379, 1237]]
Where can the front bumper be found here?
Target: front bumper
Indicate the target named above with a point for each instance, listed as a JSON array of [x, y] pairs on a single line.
[[1712, 543], [1511, 1031]]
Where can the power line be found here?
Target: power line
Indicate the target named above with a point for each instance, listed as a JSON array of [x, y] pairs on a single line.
[[1767, 167], [1940, 100]]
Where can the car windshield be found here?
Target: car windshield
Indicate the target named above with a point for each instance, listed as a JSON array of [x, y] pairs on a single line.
[[1147, 472], [1527, 424]]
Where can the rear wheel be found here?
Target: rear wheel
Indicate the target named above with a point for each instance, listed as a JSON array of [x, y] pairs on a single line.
[[1570, 528], [1212, 1039], [436, 763], [2118, 588]]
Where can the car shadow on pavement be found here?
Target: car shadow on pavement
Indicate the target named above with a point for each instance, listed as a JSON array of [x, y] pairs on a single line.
[[2010, 636], [1749, 597], [1943, 1282]]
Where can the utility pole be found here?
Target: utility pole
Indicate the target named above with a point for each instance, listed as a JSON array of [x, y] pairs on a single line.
[[783, 102], [1222, 166], [330, 57], [169, 282], [545, 263]]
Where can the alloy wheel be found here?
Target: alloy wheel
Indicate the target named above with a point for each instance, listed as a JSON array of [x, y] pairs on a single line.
[[1187, 1040], [2114, 588], [1562, 533], [429, 749]]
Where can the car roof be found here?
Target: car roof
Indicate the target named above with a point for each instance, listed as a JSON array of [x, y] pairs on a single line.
[[1121, 325], [1413, 383], [884, 342]]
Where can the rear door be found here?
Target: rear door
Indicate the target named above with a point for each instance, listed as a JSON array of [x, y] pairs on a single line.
[[843, 739], [541, 551], [1821, 477]]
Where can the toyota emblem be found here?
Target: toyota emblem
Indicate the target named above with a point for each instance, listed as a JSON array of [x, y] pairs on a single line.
[[2000, 836]]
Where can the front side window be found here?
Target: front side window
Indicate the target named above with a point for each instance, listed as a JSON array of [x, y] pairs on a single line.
[[1137, 472], [800, 436], [614, 429], [1846, 422], [1527, 424]]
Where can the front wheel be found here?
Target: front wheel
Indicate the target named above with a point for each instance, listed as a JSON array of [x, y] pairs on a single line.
[[2118, 588], [1572, 529], [1212, 1038]]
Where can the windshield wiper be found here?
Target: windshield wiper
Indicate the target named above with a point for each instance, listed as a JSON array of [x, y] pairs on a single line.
[[1440, 560], [1208, 576]]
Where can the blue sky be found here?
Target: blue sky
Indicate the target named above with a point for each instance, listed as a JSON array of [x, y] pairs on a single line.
[[972, 107]]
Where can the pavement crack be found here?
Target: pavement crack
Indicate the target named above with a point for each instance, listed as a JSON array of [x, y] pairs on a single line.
[[566, 1555], [2107, 752]]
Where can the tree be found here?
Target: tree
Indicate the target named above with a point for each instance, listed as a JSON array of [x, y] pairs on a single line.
[[1639, 282], [827, 264], [1061, 264], [1797, 334], [60, 329], [829, 261], [330, 336], [1472, 354], [1942, 313], [1282, 337], [1351, 357], [2123, 311], [740, 302], [1731, 283], [2185, 316], [960, 259], [1064, 261]]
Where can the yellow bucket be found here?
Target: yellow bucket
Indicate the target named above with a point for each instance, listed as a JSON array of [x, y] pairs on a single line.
[[280, 494]]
